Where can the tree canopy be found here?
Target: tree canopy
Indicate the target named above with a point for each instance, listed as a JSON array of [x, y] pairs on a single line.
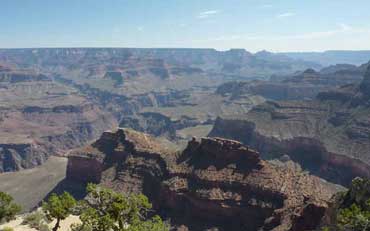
[[105, 209], [102, 210], [8, 209], [59, 207]]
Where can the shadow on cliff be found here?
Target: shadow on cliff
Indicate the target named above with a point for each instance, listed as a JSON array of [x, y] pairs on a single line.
[[76, 189]]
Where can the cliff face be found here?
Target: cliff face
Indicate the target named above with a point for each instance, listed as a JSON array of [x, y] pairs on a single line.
[[213, 183], [328, 136]]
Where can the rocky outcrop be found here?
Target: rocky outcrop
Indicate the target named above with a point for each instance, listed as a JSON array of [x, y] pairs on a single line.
[[328, 136], [125, 160], [214, 183]]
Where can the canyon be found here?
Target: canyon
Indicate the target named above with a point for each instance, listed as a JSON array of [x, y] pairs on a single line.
[[53, 100], [265, 120]]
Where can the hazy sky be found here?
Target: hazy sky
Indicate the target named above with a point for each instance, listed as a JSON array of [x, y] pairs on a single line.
[[275, 25]]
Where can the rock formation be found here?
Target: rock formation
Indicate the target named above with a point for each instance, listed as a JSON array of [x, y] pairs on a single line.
[[328, 136], [214, 183]]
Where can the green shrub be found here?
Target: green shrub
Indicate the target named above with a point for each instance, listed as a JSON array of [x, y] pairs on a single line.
[[7, 229], [354, 218]]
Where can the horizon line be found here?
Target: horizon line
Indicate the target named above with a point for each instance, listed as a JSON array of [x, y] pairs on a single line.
[[185, 48]]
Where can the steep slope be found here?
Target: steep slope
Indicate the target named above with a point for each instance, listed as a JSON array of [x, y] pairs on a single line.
[[328, 135], [213, 183]]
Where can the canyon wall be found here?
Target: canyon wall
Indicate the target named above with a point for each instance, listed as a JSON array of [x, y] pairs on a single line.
[[328, 136]]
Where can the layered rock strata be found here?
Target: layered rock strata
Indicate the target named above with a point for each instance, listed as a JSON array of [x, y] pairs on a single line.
[[214, 183], [39, 118]]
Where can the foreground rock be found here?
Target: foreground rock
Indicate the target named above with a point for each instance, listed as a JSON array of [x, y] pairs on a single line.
[[213, 183], [330, 135]]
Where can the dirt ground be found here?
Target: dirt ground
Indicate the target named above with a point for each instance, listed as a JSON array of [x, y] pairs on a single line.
[[17, 224]]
